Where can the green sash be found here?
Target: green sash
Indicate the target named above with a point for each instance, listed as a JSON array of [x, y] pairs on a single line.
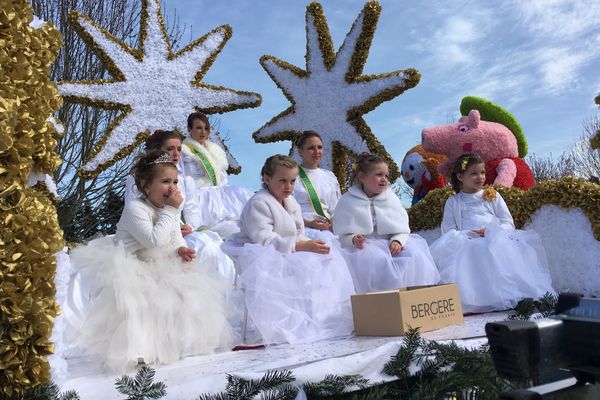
[[210, 170], [313, 196]]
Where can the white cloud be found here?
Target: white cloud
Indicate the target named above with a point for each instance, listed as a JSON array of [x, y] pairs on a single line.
[[559, 19]]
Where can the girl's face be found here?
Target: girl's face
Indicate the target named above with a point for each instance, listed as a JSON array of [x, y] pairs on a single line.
[[375, 181], [173, 147], [472, 180], [311, 152], [281, 184], [199, 131], [162, 185]]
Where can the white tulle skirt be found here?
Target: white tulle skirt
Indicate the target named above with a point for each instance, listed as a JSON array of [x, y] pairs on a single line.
[[222, 207], [373, 268], [315, 234], [294, 297], [159, 310], [207, 245], [496, 271]]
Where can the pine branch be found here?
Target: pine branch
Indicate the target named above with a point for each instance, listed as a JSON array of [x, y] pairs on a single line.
[[333, 385], [246, 389], [283, 392], [400, 363], [141, 387], [50, 391]]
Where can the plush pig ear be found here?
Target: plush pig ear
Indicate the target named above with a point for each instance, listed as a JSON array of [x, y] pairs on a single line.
[[474, 118], [462, 120]]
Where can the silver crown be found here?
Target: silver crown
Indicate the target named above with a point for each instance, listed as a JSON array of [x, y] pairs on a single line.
[[164, 159]]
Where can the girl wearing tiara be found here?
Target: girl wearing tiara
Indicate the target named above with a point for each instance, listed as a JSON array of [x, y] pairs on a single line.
[[206, 243], [494, 264], [316, 190], [296, 289], [373, 228], [155, 303], [206, 163]]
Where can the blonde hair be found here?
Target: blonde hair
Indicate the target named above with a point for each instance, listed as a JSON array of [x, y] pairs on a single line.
[[364, 163], [273, 162]]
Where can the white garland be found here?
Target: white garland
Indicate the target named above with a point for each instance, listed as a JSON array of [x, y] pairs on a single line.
[[323, 99], [160, 88]]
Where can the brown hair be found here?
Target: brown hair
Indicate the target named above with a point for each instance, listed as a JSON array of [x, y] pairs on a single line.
[[278, 160], [304, 136], [159, 137], [461, 164], [197, 115], [144, 169], [364, 163]]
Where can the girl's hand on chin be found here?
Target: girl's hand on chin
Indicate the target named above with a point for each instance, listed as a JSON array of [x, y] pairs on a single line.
[[175, 199]]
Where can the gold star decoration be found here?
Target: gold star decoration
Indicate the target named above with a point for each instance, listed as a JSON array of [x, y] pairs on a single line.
[[332, 95], [154, 87]]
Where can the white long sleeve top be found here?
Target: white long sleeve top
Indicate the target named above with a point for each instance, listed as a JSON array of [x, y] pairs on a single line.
[[382, 215], [469, 211], [195, 170], [266, 221], [185, 184], [144, 227], [327, 187]]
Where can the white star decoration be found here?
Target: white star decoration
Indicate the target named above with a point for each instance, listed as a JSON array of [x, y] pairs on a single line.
[[154, 87], [331, 96]]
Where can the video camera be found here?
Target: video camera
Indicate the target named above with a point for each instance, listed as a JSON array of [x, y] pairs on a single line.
[[569, 340]]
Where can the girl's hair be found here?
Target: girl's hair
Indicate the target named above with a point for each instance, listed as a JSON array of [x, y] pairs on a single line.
[[197, 115], [147, 164], [304, 136], [461, 164], [273, 162], [159, 137], [364, 163]]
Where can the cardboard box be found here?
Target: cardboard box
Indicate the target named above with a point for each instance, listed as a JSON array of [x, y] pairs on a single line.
[[393, 312]]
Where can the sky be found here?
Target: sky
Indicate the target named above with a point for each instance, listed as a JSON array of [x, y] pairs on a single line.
[[540, 59]]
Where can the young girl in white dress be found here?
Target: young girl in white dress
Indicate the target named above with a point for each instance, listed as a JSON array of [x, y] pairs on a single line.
[[205, 242], [156, 303], [373, 228], [317, 190], [296, 289], [494, 264], [206, 163]]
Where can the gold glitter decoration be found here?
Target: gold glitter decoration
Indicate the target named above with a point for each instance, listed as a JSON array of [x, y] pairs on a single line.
[[566, 193], [131, 119], [489, 194], [30, 233], [288, 124]]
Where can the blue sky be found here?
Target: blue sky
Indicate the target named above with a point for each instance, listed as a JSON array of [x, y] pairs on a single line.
[[540, 59]]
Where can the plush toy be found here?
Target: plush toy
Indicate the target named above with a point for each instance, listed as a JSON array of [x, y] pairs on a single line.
[[500, 147], [419, 170]]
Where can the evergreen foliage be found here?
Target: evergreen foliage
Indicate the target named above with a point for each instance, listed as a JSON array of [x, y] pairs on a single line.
[[141, 387], [49, 391], [273, 385], [541, 308], [333, 385]]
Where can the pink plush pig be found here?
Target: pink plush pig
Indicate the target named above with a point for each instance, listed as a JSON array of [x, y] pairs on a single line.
[[493, 142]]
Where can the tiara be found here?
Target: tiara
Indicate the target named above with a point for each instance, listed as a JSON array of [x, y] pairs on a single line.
[[163, 159]]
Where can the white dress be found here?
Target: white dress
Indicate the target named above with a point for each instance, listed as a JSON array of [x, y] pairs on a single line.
[[220, 205], [291, 296], [148, 303], [205, 242], [493, 272], [382, 219], [328, 189]]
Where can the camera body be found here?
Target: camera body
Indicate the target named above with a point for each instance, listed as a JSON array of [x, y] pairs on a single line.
[[568, 340]]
